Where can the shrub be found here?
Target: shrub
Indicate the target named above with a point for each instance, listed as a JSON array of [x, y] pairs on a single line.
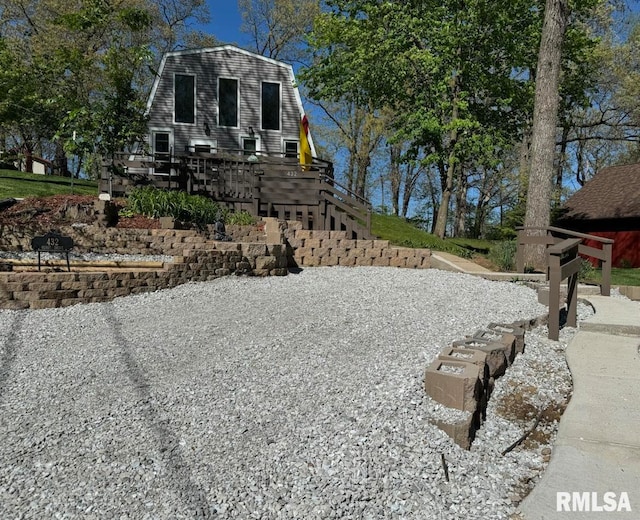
[[503, 254], [152, 202], [625, 263], [241, 218], [587, 272]]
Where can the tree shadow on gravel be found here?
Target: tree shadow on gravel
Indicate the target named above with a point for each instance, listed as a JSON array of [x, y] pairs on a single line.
[[179, 473], [10, 350]]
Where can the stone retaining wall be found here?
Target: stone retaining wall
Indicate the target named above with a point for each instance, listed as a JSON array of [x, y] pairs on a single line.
[[98, 239], [267, 248], [332, 248], [41, 290]]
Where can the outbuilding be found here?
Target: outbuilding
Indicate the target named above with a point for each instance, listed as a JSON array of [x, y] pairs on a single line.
[[608, 205]]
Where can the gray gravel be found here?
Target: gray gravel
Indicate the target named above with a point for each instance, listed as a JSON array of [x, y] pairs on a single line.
[[85, 257], [293, 397]]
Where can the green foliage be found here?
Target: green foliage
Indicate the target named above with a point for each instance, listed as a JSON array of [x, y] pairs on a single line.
[[14, 184], [503, 255], [126, 213], [587, 272], [240, 218], [625, 263], [445, 68], [152, 202]]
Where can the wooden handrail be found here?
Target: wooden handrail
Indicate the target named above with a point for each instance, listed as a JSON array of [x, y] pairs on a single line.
[[564, 246], [568, 232], [549, 239], [230, 177]]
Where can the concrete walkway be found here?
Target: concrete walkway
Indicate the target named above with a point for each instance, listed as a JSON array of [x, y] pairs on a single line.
[[597, 450], [449, 262]]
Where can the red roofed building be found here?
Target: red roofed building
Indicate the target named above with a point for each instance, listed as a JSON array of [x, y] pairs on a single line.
[[608, 206]]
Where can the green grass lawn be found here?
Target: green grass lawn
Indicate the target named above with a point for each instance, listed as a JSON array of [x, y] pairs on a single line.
[[400, 232], [621, 276], [15, 184]]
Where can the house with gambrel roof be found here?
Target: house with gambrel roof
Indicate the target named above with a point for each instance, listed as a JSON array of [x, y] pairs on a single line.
[[225, 98], [229, 124]]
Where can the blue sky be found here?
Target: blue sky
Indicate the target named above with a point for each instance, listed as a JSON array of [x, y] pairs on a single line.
[[225, 21]]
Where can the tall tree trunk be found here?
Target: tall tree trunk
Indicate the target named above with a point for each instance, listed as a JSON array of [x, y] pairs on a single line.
[[460, 228], [447, 189], [60, 162], [412, 175], [395, 177], [562, 160], [545, 116]]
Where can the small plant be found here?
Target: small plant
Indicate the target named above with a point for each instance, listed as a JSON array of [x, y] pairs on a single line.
[[126, 213], [241, 218], [152, 202], [625, 263], [587, 272], [503, 254]]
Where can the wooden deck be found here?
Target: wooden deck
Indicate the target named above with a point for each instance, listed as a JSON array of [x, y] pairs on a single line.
[[272, 186]]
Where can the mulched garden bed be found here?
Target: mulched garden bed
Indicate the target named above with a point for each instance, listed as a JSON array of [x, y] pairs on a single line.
[[56, 210]]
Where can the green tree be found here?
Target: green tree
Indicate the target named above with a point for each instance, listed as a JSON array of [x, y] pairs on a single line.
[[557, 20], [84, 67], [445, 69]]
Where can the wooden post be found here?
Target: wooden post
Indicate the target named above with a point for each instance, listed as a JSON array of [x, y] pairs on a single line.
[[605, 288], [572, 300], [554, 295], [559, 269], [520, 251]]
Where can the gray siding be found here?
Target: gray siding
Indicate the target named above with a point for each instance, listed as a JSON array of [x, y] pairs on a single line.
[[250, 71]]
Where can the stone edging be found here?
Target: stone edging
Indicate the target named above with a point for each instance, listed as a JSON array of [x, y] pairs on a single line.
[[463, 375]]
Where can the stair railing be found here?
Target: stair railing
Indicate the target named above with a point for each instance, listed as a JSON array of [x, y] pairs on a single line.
[[554, 235]]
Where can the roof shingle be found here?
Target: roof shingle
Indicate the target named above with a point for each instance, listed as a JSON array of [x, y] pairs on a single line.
[[613, 192]]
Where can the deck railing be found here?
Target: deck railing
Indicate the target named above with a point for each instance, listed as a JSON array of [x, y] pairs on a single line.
[[264, 184], [550, 236]]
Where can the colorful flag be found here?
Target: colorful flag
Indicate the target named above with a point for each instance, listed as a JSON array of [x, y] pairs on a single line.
[[305, 148]]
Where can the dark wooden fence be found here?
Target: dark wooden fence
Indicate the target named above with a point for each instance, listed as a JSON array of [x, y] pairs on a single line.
[[264, 185]]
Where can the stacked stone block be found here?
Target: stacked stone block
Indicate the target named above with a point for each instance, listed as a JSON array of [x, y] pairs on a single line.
[[42, 290], [97, 239], [463, 375], [311, 248]]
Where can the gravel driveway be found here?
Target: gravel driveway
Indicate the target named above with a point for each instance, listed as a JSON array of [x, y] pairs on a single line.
[[293, 397]]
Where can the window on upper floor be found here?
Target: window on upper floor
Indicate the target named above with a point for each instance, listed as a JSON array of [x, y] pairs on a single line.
[[227, 102], [184, 88], [270, 106]]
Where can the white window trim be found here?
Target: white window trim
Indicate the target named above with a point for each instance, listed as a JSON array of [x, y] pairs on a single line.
[[213, 143], [286, 140], [279, 83], [160, 130], [195, 98], [257, 140], [237, 80]]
